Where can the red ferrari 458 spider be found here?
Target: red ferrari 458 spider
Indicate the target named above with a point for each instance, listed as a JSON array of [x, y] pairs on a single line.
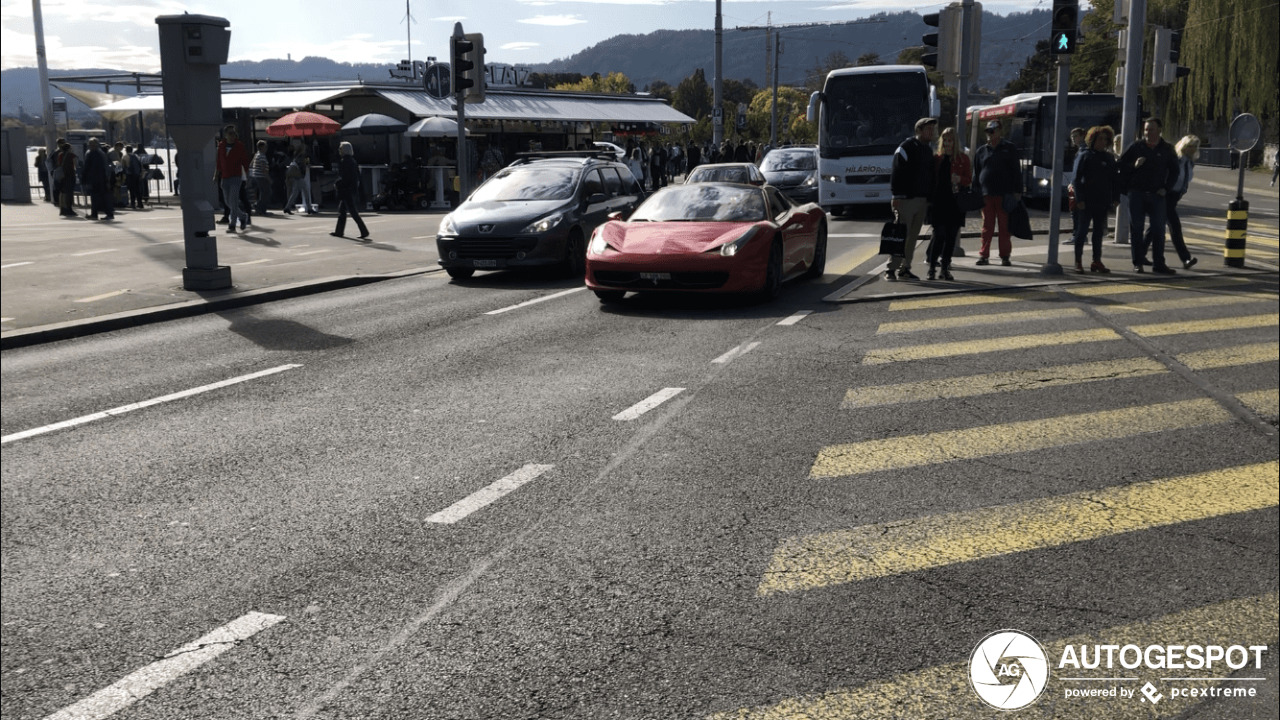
[[708, 237]]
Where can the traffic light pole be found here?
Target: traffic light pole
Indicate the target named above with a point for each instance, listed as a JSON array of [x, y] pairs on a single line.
[[1132, 89], [717, 112], [962, 91], [459, 98], [1051, 265]]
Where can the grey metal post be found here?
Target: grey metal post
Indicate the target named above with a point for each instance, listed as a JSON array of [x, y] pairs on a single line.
[[717, 120], [46, 103], [1132, 89], [962, 91], [773, 120], [1051, 266], [462, 129]]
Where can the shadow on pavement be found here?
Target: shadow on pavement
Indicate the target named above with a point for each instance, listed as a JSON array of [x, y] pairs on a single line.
[[278, 334]]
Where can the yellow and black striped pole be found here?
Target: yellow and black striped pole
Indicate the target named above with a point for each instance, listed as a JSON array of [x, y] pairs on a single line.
[[1237, 229]]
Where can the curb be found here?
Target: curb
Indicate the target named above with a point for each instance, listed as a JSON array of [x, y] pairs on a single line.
[[27, 337]]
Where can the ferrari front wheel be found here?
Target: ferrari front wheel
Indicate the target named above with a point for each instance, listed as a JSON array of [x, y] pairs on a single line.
[[819, 264], [772, 287]]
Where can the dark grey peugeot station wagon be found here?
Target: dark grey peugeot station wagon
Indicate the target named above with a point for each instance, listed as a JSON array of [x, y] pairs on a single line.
[[536, 212]]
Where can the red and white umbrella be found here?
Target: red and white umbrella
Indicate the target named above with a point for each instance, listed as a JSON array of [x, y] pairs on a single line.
[[303, 124]]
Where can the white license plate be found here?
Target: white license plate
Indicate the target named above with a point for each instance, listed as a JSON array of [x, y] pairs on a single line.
[[485, 263], [655, 276]]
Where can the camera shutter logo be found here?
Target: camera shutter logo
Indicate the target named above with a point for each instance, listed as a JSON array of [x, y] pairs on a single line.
[[1008, 670]]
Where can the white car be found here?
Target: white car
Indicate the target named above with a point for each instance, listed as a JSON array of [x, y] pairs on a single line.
[[622, 154]]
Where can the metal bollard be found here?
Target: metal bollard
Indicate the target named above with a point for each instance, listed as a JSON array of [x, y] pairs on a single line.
[[1237, 228]]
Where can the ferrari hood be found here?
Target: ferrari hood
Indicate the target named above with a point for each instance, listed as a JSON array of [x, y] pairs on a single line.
[[669, 238]]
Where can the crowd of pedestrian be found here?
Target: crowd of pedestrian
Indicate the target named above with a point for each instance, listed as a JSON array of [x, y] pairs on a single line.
[[107, 176]]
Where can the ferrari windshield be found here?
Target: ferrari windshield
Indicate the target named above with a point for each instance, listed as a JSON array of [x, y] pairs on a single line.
[[527, 183], [703, 203], [785, 160], [720, 173]]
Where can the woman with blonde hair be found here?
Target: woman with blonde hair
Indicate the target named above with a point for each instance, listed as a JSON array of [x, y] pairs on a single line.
[[1188, 151], [952, 173], [348, 191]]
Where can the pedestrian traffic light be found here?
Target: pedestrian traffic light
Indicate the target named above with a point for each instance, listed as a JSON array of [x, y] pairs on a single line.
[[466, 54], [1066, 14], [1175, 50]]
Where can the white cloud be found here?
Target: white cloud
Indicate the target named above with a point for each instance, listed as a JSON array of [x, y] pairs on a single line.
[[554, 20], [521, 46]]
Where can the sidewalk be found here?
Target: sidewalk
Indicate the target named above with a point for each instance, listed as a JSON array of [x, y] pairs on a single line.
[[132, 271]]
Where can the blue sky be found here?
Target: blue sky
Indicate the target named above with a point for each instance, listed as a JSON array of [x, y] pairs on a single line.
[[122, 35]]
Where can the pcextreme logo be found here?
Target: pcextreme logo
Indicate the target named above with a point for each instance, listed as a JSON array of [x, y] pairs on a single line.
[[1008, 670]]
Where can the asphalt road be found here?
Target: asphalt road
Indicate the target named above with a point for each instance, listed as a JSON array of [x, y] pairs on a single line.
[[423, 499]]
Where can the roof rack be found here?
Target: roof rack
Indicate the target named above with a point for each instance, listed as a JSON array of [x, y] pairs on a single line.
[[565, 154]]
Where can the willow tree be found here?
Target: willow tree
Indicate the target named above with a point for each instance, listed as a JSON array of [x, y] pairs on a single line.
[[1233, 51]]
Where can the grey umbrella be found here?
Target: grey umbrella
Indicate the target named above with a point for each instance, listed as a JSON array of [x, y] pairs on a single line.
[[374, 124]]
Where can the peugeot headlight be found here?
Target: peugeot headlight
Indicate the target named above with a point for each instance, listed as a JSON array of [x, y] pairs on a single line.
[[731, 248], [448, 226], [810, 181], [543, 225]]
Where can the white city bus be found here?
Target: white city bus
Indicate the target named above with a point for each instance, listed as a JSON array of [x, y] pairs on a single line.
[[863, 114]]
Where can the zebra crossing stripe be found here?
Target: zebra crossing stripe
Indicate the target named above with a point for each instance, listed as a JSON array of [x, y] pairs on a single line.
[[902, 546], [880, 356], [1263, 402], [991, 440], [1010, 381], [942, 692], [1127, 288], [1194, 326], [1186, 303], [975, 320], [946, 301], [1231, 356]]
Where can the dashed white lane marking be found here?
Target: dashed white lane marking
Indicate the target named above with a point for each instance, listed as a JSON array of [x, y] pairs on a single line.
[[796, 318], [488, 495], [736, 353], [17, 264], [132, 688], [144, 404], [253, 262], [103, 296], [648, 403], [312, 252], [94, 252], [535, 301]]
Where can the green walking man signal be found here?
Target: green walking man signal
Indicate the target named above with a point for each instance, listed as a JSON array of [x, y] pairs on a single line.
[[1066, 14]]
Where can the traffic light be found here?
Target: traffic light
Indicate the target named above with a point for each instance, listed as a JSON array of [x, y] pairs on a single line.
[[941, 50], [1175, 49], [466, 54], [1066, 14]]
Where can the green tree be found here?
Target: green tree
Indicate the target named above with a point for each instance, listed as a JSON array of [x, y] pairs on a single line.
[[615, 83], [793, 104], [693, 96], [1231, 48], [661, 89]]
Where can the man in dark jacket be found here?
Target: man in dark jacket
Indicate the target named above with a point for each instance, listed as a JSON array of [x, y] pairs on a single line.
[[1097, 189], [998, 171], [1149, 169], [97, 181], [911, 180]]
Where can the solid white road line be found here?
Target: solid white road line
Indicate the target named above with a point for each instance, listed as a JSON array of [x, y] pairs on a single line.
[[535, 301], [17, 264], [139, 405], [736, 353], [103, 296], [312, 252], [796, 318], [132, 688], [93, 252], [648, 403], [490, 494], [252, 262]]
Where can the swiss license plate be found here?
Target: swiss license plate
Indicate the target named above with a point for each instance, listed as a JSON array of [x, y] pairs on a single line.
[[655, 276], [485, 263]]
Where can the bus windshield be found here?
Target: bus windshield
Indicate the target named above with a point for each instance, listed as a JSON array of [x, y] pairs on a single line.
[[871, 113]]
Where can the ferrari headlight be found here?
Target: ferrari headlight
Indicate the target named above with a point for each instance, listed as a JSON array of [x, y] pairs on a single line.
[[448, 226], [731, 248], [598, 245], [543, 225]]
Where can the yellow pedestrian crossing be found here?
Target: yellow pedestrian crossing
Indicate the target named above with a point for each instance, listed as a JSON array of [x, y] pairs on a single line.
[[1194, 326], [877, 356], [1141, 287], [908, 451], [1263, 402], [1187, 303], [975, 320], [1091, 290], [1218, 237], [942, 692], [1231, 356], [845, 556]]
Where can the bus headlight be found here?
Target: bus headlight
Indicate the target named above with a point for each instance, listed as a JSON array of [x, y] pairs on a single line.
[[831, 178]]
